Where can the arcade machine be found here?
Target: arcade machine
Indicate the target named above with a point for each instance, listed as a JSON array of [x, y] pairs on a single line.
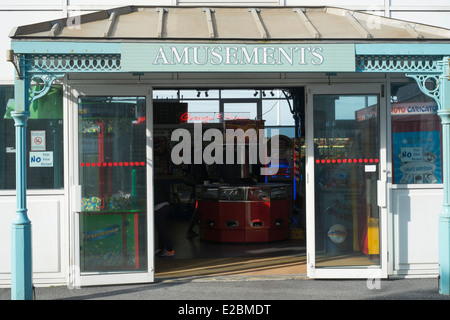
[[290, 171], [284, 172]]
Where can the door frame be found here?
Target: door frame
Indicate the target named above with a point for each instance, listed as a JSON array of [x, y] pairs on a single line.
[[76, 278], [357, 272]]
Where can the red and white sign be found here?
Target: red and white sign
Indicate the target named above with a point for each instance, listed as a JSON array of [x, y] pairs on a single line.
[[38, 140], [413, 108]]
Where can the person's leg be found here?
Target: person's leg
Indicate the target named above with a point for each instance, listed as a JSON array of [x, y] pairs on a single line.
[[162, 215], [159, 224], [194, 220]]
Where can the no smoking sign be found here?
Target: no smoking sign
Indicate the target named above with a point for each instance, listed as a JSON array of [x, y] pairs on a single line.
[[38, 140]]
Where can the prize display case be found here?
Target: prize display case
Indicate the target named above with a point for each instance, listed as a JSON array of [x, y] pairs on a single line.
[[235, 213]]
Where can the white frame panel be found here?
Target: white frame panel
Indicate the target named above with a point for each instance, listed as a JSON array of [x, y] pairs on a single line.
[[364, 272], [257, 102], [76, 279]]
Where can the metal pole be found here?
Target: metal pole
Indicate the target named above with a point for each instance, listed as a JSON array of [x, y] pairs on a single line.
[[21, 265], [444, 218]]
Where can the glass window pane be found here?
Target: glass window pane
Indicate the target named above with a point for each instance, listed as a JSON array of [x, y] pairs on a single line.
[[199, 94], [416, 136], [270, 112], [236, 111], [112, 170], [346, 143], [240, 94], [206, 111], [286, 117], [44, 141], [7, 139], [165, 95]]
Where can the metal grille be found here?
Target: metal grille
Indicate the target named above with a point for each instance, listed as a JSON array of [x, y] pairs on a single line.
[[74, 63], [398, 64]]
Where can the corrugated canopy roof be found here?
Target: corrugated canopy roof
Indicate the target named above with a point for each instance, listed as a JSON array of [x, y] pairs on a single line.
[[230, 23]]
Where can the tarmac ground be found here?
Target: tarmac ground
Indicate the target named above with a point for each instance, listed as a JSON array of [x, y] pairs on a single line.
[[250, 297], [239, 288]]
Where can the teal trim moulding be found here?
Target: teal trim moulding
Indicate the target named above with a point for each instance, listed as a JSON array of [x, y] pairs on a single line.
[[75, 47], [65, 47], [391, 49]]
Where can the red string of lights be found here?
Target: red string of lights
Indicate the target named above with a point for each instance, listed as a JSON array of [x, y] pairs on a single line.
[[334, 161], [113, 164]]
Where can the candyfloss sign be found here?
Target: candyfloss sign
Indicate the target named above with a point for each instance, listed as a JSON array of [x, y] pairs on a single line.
[[222, 151], [238, 57]]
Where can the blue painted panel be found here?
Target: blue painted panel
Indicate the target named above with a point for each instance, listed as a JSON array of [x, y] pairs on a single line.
[[439, 49], [44, 47]]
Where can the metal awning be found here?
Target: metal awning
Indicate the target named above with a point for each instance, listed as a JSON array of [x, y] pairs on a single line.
[[226, 23]]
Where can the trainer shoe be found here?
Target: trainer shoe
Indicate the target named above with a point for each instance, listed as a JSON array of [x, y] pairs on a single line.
[[166, 253]]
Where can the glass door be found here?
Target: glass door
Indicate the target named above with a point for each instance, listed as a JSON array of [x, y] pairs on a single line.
[[111, 170], [346, 171]]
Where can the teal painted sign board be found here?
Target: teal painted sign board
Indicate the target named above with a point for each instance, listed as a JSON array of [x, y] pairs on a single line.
[[234, 57], [209, 57]]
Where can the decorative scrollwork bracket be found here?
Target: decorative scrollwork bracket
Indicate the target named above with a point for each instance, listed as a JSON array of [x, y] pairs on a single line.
[[430, 83], [43, 84]]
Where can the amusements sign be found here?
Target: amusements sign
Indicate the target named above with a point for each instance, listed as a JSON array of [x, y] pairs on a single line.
[[237, 57]]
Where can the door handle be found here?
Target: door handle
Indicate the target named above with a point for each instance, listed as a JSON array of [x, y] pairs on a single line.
[[76, 197], [381, 193]]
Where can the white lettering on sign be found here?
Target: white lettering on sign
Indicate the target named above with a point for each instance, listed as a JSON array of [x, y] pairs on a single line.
[[41, 159], [237, 57], [233, 55]]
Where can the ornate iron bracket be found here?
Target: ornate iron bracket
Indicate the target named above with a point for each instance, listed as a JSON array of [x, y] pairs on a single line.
[[38, 84], [429, 84], [44, 80]]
